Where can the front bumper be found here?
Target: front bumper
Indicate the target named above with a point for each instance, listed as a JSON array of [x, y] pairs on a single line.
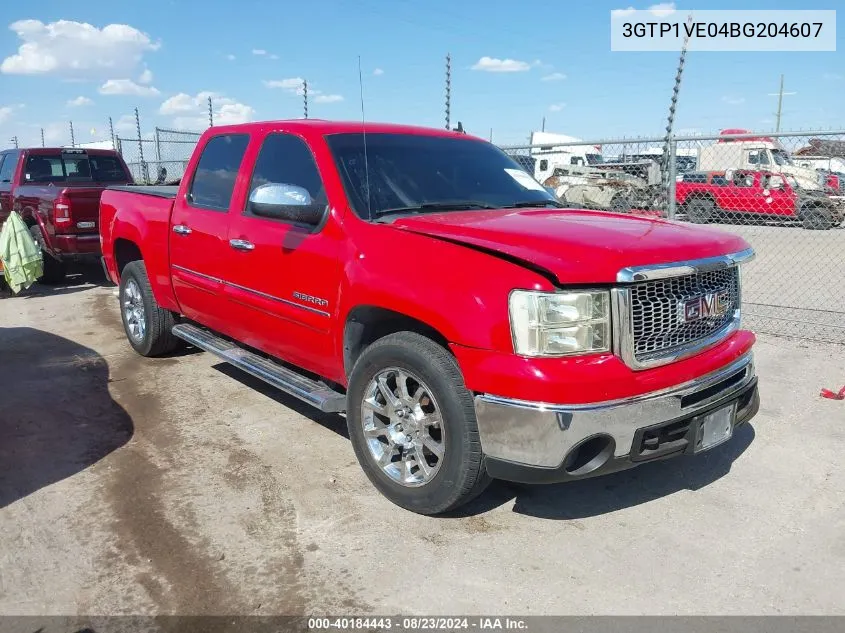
[[534, 442]]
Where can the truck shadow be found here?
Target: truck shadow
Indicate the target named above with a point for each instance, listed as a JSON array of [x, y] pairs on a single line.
[[625, 489], [331, 421], [80, 277], [57, 417]]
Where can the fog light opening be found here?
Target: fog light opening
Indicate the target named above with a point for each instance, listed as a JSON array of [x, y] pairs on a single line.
[[589, 455]]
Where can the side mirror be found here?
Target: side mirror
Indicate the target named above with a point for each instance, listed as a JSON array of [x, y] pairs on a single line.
[[285, 202]]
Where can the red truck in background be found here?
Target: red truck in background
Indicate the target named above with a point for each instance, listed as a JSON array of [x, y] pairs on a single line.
[[719, 195], [57, 193], [421, 281]]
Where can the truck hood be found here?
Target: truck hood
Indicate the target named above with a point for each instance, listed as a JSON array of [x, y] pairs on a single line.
[[575, 246]]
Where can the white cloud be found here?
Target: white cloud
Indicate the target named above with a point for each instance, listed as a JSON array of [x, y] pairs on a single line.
[[554, 77], [495, 65], [230, 57], [662, 9], [557, 107], [80, 101], [832, 76], [733, 100], [127, 87], [146, 77], [291, 84], [126, 124], [328, 98], [259, 51], [76, 49], [6, 113], [621, 13], [378, 71], [274, 56], [191, 112]]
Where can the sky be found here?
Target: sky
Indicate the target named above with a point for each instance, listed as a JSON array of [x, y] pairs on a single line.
[[511, 69]]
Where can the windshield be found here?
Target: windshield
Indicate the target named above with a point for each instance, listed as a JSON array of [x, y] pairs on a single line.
[[594, 159], [411, 171], [781, 157], [62, 167]]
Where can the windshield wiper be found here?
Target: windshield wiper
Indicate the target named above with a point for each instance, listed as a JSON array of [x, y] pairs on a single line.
[[533, 203], [457, 205]]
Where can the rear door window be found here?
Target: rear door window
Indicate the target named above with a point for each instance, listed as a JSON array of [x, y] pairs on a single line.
[[217, 171]]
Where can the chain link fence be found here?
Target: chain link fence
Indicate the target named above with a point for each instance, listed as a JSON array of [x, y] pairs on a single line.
[[160, 159], [783, 193]]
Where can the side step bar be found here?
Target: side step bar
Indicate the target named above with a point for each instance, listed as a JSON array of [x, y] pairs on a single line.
[[314, 393]]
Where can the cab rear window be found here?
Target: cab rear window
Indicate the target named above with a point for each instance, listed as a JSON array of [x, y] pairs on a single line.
[[73, 168]]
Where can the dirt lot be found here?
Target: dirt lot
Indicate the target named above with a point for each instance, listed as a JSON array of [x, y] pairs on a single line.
[[178, 485]]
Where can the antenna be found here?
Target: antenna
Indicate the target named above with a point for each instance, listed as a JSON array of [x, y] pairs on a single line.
[[364, 134]]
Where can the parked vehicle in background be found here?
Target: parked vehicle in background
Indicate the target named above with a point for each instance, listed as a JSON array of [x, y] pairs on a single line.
[[421, 281], [57, 193], [720, 195], [760, 152], [551, 151], [828, 163], [601, 189]]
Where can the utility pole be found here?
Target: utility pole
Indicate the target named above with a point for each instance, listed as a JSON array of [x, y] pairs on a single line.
[[72, 139], [210, 114], [779, 94], [448, 91], [42, 137], [543, 127], [14, 141], [305, 96]]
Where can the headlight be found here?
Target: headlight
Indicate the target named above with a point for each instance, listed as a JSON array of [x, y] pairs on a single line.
[[560, 323]]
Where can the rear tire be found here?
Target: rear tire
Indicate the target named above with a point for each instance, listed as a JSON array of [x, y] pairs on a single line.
[[148, 326], [427, 370], [817, 220], [53, 271], [700, 210]]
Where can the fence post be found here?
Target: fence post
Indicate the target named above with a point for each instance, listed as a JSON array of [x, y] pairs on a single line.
[[673, 173], [158, 148]]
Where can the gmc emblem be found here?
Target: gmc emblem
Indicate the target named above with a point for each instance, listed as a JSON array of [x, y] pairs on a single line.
[[713, 304]]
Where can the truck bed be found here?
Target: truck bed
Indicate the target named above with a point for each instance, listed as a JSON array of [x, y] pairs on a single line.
[[159, 191]]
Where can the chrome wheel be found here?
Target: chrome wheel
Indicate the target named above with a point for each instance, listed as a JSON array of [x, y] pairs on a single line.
[[403, 427], [133, 311]]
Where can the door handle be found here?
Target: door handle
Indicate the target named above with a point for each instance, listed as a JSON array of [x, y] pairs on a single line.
[[241, 245], [181, 229]]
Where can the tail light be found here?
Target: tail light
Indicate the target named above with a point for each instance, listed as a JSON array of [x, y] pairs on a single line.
[[61, 211]]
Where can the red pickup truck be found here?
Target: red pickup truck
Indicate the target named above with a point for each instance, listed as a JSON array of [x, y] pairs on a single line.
[[719, 195], [419, 280], [57, 192]]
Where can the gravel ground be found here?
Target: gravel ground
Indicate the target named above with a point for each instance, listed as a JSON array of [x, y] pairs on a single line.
[[182, 486]]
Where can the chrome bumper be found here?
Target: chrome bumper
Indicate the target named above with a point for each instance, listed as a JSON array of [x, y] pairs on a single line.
[[534, 434]]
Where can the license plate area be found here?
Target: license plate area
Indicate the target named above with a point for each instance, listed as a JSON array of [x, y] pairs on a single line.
[[714, 428]]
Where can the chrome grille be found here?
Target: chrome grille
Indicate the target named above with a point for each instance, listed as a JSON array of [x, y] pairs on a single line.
[[657, 326]]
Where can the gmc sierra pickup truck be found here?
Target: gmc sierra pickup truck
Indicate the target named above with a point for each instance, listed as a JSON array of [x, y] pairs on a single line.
[[57, 192], [422, 282]]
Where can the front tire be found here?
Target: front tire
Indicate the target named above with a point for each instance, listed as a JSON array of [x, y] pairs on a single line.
[[412, 424], [817, 220], [700, 210], [148, 326]]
